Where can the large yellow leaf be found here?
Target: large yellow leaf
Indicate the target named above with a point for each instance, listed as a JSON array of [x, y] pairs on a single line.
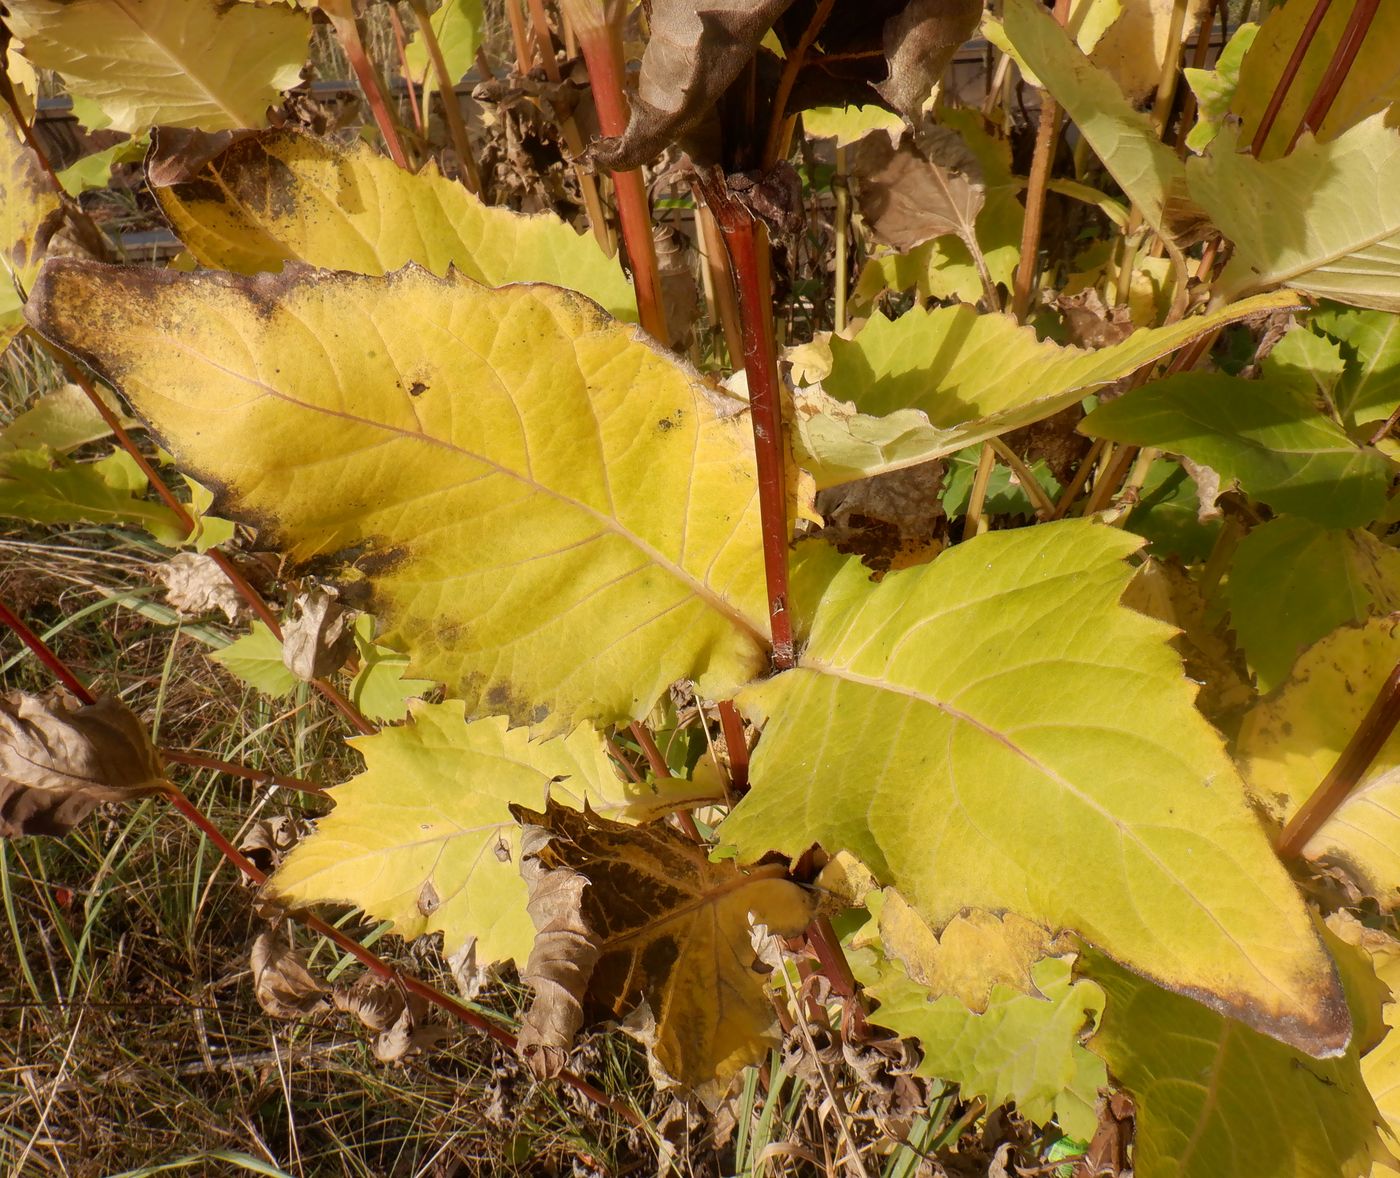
[[994, 730], [1324, 220], [551, 515], [285, 196], [1290, 740], [29, 213], [181, 63], [424, 836], [934, 381], [1371, 83]]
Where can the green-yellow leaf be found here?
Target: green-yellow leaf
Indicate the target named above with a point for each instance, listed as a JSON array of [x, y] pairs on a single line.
[[1291, 739], [37, 485], [934, 381], [424, 836], [62, 420], [1369, 389], [1293, 581], [1025, 1048], [550, 515], [95, 170], [1371, 82], [846, 124], [1267, 434], [191, 63], [1324, 220], [29, 213], [1147, 169], [457, 26], [285, 196], [380, 690], [994, 730], [1216, 1099], [1215, 89], [256, 658]]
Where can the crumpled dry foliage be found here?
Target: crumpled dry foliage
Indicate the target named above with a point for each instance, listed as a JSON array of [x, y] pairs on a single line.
[[196, 586], [60, 759], [919, 44], [282, 984], [318, 641], [398, 1018], [911, 194], [695, 51], [893, 520], [636, 923]]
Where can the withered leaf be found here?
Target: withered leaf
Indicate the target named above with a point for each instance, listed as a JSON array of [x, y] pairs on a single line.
[[282, 984], [59, 759], [635, 922], [196, 586], [911, 194], [269, 839], [409, 1035], [695, 51], [318, 642], [893, 521], [920, 42], [377, 1002]]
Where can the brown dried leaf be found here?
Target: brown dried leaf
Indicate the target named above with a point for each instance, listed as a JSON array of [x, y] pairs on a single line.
[[282, 984], [636, 922], [318, 642], [920, 42], [911, 194], [375, 1001], [892, 521], [695, 51], [269, 839], [409, 1035], [196, 586], [60, 759]]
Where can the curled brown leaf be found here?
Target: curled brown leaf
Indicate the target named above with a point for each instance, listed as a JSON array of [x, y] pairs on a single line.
[[60, 759], [282, 984], [317, 643]]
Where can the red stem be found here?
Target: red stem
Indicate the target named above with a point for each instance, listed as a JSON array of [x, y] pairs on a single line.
[[200, 761], [1285, 80], [602, 53], [347, 31], [401, 46], [1366, 742], [736, 744], [55, 664], [741, 242], [1337, 69]]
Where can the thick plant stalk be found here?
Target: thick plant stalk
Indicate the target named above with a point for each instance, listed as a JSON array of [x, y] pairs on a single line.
[[1046, 135], [1171, 71], [401, 47], [736, 744], [841, 187], [1366, 742], [573, 138], [1337, 69], [1285, 80], [717, 280], [602, 53], [524, 51], [370, 960], [741, 233], [342, 18], [777, 121], [447, 90]]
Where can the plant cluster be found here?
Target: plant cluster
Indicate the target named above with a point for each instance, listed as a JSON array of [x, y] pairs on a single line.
[[967, 648]]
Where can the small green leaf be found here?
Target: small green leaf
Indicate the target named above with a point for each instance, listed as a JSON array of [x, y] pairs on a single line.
[[256, 658], [1215, 89], [1025, 1049], [457, 25], [62, 421], [1369, 389], [1292, 581], [39, 486], [1267, 435], [1168, 517], [380, 690]]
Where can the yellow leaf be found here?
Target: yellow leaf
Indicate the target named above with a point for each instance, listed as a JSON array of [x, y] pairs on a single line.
[[424, 836], [284, 196], [549, 514], [1291, 739], [636, 921], [181, 63], [29, 213], [995, 730]]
